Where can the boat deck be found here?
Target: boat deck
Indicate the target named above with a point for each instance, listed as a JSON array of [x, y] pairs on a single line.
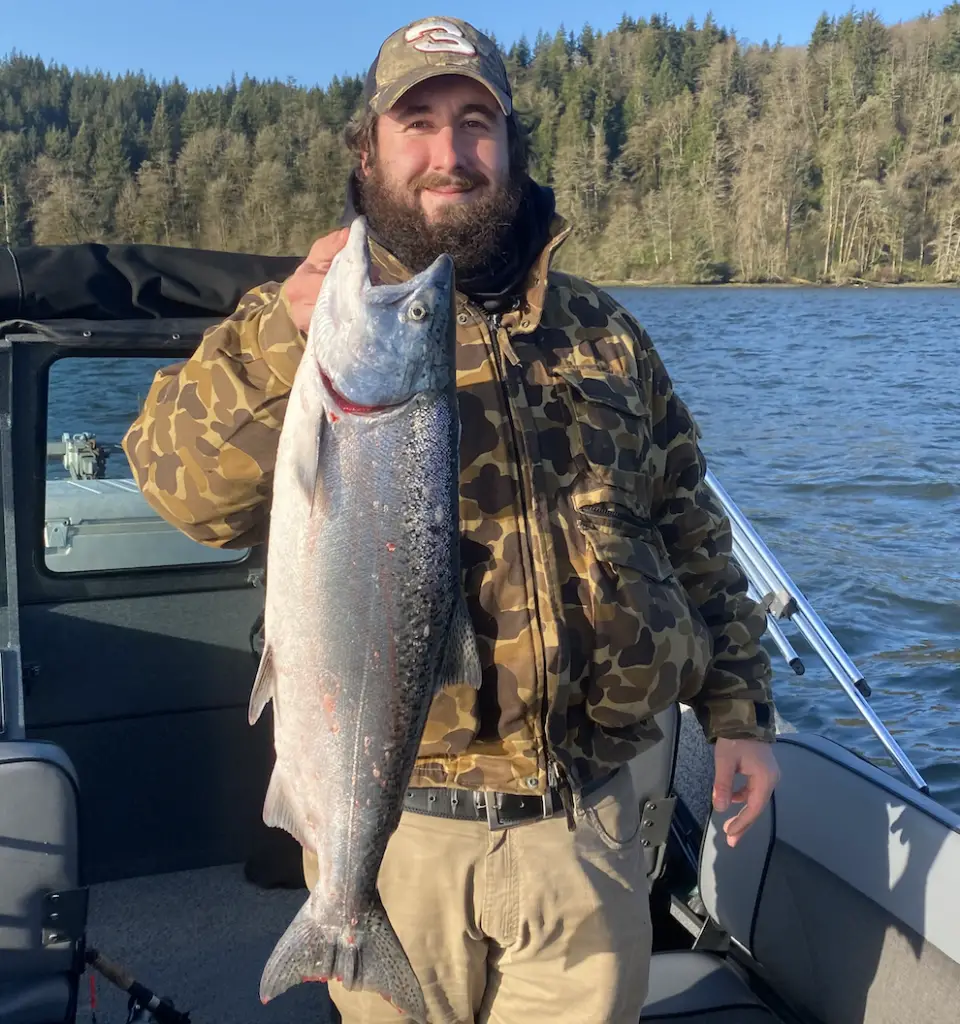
[[201, 938]]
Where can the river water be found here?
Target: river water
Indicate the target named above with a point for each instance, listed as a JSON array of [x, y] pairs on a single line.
[[832, 417]]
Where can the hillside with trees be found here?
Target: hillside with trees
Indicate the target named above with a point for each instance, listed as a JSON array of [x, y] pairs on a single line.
[[679, 153]]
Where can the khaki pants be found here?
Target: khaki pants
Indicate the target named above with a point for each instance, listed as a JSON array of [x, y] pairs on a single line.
[[531, 923]]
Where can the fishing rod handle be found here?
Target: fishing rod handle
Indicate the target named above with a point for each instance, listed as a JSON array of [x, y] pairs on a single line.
[[111, 971]]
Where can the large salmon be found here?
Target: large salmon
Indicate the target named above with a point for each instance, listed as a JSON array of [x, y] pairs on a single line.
[[365, 616]]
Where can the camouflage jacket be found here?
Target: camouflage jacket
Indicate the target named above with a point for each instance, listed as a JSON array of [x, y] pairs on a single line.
[[596, 563]]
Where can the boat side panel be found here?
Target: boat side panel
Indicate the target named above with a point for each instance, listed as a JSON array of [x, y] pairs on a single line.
[[846, 891]]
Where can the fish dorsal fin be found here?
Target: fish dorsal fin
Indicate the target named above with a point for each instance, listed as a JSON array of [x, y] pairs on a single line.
[[263, 686], [461, 660]]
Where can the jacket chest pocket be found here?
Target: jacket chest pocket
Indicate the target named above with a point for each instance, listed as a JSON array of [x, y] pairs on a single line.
[[621, 539], [610, 432], [649, 644]]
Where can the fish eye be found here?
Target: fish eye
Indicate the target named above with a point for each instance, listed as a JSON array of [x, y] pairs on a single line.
[[417, 311]]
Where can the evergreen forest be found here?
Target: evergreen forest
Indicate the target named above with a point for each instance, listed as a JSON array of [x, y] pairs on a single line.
[[679, 153]]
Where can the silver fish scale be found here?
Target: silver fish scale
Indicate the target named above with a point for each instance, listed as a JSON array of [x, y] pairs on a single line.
[[365, 614], [384, 555]]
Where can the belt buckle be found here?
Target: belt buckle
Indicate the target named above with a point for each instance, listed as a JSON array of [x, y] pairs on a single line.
[[494, 806], [483, 802]]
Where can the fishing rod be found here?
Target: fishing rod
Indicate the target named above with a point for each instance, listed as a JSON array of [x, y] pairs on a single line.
[[142, 1000], [783, 599]]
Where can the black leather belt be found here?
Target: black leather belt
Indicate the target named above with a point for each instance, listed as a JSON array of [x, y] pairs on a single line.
[[501, 810]]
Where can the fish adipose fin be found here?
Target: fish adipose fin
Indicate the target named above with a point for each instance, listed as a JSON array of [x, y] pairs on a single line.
[[280, 812], [373, 962], [263, 686], [461, 659]]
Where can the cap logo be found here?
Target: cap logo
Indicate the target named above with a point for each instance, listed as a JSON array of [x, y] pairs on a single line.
[[438, 36]]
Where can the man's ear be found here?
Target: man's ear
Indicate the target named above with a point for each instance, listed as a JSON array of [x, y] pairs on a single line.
[[364, 163]]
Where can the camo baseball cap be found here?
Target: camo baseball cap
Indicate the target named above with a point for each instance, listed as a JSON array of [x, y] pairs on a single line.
[[430, 47]]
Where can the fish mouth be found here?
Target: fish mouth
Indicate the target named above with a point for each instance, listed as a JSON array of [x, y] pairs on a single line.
[[352, 408]]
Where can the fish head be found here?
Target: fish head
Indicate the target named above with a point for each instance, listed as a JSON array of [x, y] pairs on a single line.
[[379, 346]]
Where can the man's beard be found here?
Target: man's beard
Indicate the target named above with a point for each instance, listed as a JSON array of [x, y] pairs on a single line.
[[475, 235]]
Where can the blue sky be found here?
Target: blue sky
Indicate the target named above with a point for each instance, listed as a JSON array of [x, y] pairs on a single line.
[[203, 42]]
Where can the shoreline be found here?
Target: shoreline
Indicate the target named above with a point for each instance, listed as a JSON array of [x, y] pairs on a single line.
[[602, 283]]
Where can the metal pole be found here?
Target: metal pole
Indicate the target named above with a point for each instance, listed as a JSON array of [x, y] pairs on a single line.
[[790, 656], [779, 576], [802, 615], [751, 567], [812, 628]]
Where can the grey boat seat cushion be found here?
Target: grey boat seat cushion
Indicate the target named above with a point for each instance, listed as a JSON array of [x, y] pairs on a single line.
[[36, 1001], [843, 897], [38, 854], [693, 987]]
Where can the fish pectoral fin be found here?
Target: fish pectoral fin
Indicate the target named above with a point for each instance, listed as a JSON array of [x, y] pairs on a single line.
[[461, 659], [263, 686], [279, 811]]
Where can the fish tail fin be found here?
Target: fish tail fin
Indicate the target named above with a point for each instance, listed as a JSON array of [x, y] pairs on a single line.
[[375, 962], [385, 968]]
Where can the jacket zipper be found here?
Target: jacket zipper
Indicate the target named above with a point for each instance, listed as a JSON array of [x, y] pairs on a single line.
[[555, 773]]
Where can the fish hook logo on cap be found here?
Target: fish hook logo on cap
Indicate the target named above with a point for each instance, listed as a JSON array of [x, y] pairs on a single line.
[[439, 36], [435, 46]]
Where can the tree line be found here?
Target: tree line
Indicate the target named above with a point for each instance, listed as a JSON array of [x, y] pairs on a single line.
[[679, 153]]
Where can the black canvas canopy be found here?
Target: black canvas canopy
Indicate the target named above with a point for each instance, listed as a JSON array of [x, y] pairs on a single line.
[[129, 282]]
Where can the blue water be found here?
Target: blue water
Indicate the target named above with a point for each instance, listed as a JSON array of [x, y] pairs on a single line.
[[832, 417]]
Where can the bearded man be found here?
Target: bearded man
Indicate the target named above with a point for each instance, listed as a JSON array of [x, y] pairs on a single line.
[[596, 563]]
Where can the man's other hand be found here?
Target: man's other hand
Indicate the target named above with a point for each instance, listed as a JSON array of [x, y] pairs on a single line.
[[755, 760], [303, 286]]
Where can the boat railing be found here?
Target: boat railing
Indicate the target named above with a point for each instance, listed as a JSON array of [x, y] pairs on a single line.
[[770, 585]]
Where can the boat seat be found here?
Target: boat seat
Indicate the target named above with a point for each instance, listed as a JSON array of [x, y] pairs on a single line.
[[841, 901], [37, 1001], [694, 986], [40, 937]]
